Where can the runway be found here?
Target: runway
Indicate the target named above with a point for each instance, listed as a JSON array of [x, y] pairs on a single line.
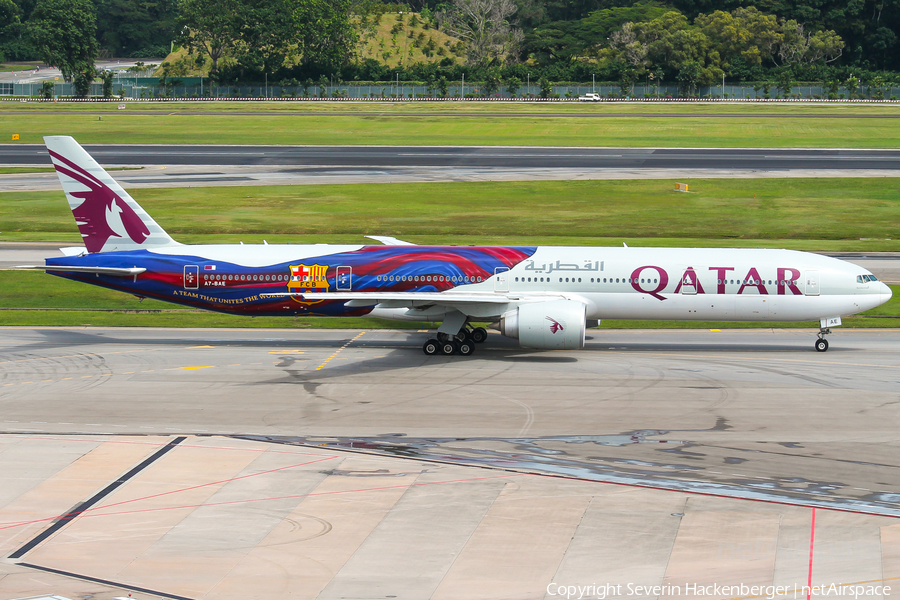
[[470, 157], [189, 166], [348, 464]]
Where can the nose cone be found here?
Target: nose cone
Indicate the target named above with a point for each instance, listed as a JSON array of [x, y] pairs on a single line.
[[886, 293]]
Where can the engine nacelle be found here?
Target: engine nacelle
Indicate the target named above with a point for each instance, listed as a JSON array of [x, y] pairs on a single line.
[[550, 325]]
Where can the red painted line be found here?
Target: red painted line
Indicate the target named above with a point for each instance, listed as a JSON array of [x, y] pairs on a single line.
[[289, 497], [80, 439], [74, 514], [812, 541]]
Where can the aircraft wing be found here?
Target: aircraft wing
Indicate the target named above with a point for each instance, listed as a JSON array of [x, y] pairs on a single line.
[[412, 298], [481, 304], [114, 271], [389, 241]]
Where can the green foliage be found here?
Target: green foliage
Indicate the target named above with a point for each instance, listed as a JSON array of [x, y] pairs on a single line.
[[546, 87], [565, 40], [209, 27], [64, 32], [107, 78], [491, 82], [512, 85], [47, 89], [135, 28]]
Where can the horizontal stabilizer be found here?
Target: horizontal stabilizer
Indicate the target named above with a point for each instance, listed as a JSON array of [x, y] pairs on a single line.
[[114, 271]]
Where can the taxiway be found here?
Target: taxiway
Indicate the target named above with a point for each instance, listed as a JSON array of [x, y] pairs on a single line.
[[337, 464]]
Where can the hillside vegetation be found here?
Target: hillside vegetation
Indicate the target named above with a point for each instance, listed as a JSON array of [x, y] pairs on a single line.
[[851, 45]]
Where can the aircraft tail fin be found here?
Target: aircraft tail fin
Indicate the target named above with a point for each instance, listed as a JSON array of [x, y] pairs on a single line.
[[107, 217]]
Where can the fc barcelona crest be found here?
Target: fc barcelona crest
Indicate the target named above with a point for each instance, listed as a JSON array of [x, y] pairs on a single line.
[[308, 279]]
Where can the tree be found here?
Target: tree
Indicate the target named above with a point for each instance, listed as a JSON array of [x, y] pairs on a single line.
[[484, 26], [9, 18], [512, 85], [64, 32], [132, 28], [799, 46], [743, 32], [492, 82], [209, 27], [82, 81], [325, 35], [689, 76], [546, 87], [107, 78], [784, 78]]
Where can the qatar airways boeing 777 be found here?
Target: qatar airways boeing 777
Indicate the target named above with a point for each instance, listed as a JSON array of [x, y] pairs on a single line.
[[543, 296]]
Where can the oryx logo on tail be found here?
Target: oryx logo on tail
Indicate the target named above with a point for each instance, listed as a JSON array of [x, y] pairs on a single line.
[[103, 214], [107, 217]]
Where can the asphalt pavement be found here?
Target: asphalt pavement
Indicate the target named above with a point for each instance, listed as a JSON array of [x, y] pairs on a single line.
[[471, 157]]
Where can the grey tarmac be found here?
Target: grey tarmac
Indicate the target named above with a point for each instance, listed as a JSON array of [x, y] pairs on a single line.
[[314, 468]]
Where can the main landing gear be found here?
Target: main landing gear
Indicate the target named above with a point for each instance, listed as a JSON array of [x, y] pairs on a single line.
[[461, 343], [822, 343]]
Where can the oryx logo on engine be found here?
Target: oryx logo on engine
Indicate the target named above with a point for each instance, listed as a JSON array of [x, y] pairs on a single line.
[[555, 326]]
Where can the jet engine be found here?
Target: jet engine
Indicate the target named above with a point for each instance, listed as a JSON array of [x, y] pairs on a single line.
[[548, 325]]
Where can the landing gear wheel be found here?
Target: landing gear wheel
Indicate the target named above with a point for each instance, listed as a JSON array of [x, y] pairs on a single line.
[[479, 335], [821, 345], [466, 347], [448, 348], [431, 347], [462, 336]]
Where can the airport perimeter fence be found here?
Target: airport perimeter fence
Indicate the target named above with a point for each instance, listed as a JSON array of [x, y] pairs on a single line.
[[389, 91]]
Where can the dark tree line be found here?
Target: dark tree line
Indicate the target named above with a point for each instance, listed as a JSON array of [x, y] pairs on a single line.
[[123, 28], [689, 41]]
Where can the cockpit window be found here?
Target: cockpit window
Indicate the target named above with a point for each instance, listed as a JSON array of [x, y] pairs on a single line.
[[865, 278]]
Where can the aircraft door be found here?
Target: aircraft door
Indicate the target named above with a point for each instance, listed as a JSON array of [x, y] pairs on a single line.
[[501, 279], [812, 283], [688, 285], [191, 277], [344, 279]]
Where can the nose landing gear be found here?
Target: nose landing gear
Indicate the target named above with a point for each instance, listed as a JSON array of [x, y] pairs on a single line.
[[822, 343]]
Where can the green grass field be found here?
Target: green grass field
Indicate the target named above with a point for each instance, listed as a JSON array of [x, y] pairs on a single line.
[[17, 170], [265, 126], [808, 214], [504, 109]]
